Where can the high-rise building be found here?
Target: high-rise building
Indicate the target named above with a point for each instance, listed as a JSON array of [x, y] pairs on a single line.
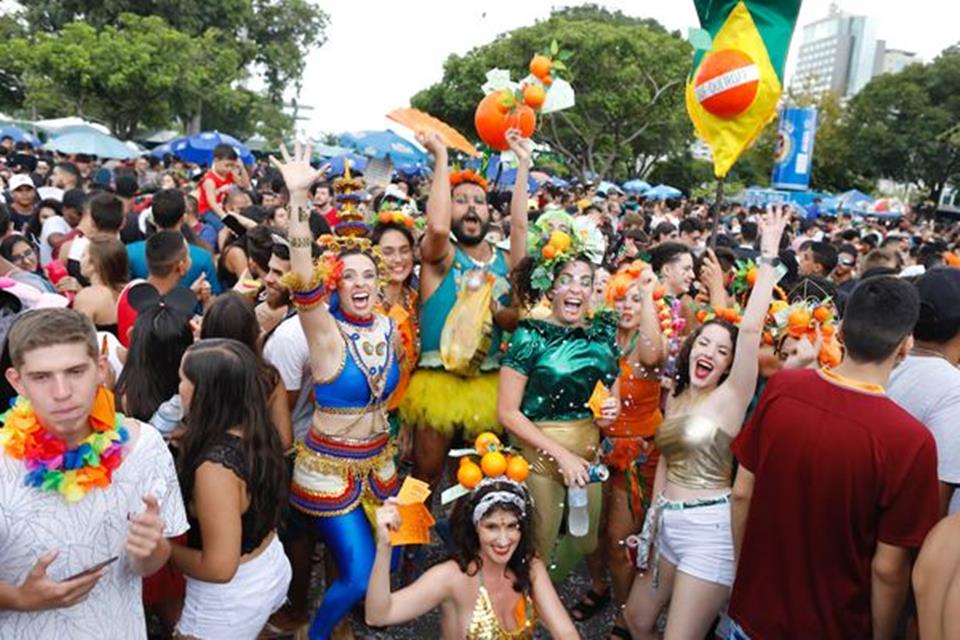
[[838, 53], [895, 60]]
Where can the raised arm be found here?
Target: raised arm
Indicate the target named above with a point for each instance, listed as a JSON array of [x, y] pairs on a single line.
[[649, 349], [318, 325], [521, 148], [743, 373], [436, 240], [383, 608]]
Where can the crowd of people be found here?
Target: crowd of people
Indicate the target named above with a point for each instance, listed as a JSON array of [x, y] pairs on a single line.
[[740, 419]]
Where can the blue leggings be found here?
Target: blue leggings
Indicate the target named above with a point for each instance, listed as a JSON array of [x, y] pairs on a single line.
[[349, 539]]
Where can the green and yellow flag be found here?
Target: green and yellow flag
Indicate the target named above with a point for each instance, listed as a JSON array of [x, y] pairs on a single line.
[[734, 86]]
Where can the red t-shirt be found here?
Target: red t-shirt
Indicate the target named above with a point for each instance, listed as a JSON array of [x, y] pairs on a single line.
[[332, 216], [836, 470], [220, 186]]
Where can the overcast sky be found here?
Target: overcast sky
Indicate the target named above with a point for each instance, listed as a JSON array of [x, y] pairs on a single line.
[[378, 53]]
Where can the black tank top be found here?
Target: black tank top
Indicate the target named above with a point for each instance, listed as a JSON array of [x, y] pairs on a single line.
[[228, 452]]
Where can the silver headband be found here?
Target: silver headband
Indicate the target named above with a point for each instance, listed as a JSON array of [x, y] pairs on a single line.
[[494, 498]]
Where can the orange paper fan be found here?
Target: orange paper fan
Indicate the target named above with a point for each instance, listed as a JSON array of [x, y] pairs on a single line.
[[417, 120]]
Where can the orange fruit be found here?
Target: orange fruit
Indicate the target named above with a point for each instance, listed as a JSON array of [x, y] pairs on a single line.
[[408, 222], [541, 66], [469, 475], [659, 292], [752, 276], [484, 442], [517, 469], [549, 252], [560, 240], [547, 80], [534, 95], [464, 460], [493, 464], [827, 330], [822, 314], [798, 318], [767, 338], [701, 315], [384, 217], [492, 119]]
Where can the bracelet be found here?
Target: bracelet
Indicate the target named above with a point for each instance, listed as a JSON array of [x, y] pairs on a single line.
[[300, 242]]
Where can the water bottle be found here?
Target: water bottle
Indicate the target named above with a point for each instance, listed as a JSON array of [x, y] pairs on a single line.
[[578, 521]]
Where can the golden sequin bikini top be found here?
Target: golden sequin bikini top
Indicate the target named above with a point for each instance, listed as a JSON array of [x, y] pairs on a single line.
[[484, 624], [697, 452]]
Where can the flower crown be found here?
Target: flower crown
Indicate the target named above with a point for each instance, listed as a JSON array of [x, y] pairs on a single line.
[[805, 319], [401, 218], [468, 175], [498, 463], [551, 248], [620, 283], [337, 246]]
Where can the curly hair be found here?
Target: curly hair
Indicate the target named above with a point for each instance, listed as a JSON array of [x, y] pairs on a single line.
[[520, 277], [467, 542], [682, 375]]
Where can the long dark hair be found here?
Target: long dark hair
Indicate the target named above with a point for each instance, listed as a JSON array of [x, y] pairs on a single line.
[[377, 235], [523, 289], [233, 316], [682, 376], [228, 394], [467, 543], [151, 374]]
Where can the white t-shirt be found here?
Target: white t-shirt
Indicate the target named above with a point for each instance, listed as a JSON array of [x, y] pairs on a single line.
[[929, 389], [92, 530], [52, 225], [287, 350]]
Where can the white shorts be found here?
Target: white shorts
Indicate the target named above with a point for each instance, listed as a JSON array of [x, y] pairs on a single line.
[[239, 609], [699, 541]]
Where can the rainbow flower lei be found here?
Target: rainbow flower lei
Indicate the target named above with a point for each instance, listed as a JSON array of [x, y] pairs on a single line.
[[51, 466]]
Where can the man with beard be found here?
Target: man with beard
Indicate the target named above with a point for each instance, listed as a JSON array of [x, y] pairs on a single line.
[[441, 404]]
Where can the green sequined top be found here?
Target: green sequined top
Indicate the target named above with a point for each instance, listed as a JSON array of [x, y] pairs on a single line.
[[562, 365]]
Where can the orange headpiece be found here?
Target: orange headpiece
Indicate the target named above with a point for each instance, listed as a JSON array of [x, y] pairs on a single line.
[[468, 175]]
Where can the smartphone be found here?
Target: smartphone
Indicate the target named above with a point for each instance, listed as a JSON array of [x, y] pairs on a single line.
[[93, 569]]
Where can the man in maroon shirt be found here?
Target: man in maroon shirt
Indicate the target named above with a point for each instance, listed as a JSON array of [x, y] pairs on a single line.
[[837, 485]]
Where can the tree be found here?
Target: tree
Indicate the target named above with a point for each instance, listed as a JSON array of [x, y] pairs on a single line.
[[898, 125], [139, 73], [273, 34], [628, 74]]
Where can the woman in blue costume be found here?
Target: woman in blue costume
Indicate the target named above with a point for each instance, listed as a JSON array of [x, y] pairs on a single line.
[[345, 461]]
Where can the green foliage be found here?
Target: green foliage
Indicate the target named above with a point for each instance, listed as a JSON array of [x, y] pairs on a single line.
[[139, 73], [683, 172], [628, 75], [897, 125], [274, 34]]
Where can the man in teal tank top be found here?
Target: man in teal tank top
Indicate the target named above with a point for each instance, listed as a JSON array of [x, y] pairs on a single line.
[[441, 404]]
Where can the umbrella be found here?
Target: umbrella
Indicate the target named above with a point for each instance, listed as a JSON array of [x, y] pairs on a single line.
[[93, 143], [662, 191], [329, 150], [18, 135], [384, 144], [412, 170], [357, 163], [560, 183], [885, 208], [162, 150], [606, 187], [636, 186], [198, 148]]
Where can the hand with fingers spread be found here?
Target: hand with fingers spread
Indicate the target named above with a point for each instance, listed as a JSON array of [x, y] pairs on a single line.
[[145, 535], [521, 147], [297, 172], [39, 592], [771, 230]]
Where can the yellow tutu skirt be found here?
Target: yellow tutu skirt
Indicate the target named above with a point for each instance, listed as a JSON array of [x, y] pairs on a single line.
[[444, 401]]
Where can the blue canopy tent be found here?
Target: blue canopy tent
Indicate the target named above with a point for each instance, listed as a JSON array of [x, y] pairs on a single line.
[[91, 142], [385, 144], [18, 135], [338, 164], [198, 148], [560, 183], [506, 177], [636, 187], [763, 196], [662, 191]]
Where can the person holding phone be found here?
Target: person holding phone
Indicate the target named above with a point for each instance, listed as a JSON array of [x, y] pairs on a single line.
[[77, 531]]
